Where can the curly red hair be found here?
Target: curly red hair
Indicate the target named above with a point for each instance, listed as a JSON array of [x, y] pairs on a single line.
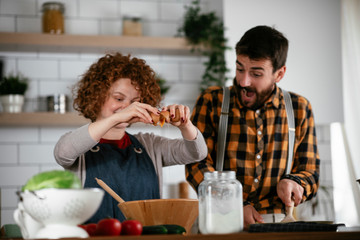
[[93, 89]]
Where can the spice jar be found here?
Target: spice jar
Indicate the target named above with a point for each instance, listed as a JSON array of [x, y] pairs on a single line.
[[53, 18], [220, 203], [132, 25], [57, 103]]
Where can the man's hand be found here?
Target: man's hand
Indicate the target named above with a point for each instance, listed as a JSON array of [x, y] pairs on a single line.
[[251, 216], [289, 191]]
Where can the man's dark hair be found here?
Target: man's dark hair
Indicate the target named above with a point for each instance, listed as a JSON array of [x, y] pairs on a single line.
[[263, 42]]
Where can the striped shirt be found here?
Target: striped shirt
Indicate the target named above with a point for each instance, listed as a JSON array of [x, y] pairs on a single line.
[[257, 146]]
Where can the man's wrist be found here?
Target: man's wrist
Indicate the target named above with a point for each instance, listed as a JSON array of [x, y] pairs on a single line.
[[292, 177]]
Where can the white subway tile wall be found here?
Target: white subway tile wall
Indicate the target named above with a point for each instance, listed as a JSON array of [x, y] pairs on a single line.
[[19, 7], [98, 9], [321, 208], [7, 24], [26, 151], [9, 154]]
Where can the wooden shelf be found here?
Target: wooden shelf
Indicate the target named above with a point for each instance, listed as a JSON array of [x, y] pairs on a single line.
[[42, 119], [39, 42], [49, 119], [92, 43]]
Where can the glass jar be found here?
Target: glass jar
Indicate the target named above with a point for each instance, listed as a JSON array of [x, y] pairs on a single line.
[[53, 18], [132, 25], [220, 203], [57, 103]]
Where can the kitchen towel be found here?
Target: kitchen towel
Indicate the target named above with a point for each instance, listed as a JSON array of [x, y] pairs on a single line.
[[299, 226]]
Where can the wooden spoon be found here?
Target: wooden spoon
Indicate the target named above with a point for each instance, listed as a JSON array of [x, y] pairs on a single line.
[[109, 190], [289, 211]]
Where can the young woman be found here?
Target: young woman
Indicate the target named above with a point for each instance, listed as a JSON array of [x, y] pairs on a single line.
[[115, 92]]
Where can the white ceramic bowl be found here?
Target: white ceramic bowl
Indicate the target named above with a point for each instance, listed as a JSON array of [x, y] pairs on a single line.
[[61, 210]]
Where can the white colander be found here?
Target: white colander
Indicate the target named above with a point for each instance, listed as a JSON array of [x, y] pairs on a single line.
[[61, 210]]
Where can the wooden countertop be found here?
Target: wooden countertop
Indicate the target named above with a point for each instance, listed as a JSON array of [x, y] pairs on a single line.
[[344, 233], [240, 236]]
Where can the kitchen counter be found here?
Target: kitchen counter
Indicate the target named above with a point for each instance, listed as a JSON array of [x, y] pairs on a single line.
[[249, 236], [240, 236], [343, 233]]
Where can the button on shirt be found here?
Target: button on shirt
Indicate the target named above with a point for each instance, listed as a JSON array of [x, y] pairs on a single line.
[[257, 146]]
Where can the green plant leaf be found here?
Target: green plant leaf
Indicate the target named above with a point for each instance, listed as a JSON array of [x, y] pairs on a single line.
[[13, 84], [162, 83], [205, 34]]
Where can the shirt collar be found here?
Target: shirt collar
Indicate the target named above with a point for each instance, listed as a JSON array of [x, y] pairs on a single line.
[[122, 143], [275, 97]]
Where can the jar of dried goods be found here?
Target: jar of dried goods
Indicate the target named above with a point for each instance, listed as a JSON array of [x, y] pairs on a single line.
[[132, 25], [53, 18]]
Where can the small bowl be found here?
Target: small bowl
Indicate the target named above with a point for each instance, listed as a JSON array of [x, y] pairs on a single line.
[[182, 212]]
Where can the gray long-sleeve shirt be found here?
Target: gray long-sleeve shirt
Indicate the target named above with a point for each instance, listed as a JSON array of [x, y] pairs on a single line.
[[69, 151]]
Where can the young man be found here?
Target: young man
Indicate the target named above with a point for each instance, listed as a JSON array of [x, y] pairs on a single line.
[[257, 134]]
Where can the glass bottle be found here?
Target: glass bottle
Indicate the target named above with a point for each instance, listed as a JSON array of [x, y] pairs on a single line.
[[53, 18], [220, 203]]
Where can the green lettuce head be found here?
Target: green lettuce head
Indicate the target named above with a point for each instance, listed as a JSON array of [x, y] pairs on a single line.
[[53, 179]]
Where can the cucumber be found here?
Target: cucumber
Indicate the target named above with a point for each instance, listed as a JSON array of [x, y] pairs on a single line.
[[174, 229], [155, 229], [163, 229]]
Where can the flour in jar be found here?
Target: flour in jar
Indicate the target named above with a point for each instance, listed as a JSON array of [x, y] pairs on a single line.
[[231, 222]]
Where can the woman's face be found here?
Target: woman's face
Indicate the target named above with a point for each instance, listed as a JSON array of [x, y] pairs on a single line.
[[121, 94]]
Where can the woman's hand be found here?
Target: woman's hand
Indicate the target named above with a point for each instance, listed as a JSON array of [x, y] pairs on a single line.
[[184, 112], [118, 121], [135, 112], [188, 130]]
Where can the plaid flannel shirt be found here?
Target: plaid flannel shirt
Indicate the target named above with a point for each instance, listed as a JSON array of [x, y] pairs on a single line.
[[257, 146]]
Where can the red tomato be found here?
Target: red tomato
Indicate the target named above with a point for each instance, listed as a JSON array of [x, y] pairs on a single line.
[[108, 227], [131, 227], [91, 229], [82, 226]]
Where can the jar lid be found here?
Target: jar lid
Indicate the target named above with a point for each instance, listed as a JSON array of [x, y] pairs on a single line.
[[57, 95], [219, 175], [53, 6], [133, 17]]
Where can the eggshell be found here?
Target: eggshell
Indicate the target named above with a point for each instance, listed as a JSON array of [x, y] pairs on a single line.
[[165, 115], [155, 118]]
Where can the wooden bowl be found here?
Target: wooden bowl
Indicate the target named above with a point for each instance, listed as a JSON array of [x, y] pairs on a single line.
[[181, 212]]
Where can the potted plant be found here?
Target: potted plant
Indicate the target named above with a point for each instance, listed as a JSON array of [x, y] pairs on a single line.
[[163, 85], [205, 33], [12, 91]]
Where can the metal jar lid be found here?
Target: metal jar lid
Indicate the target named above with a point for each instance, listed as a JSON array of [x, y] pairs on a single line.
[[53, 6]]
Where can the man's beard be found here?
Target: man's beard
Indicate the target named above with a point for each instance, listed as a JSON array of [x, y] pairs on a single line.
[[261, 97]]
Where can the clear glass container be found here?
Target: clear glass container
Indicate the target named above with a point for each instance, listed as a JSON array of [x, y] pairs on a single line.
[[220, 203], [53, 18], [57, 103]]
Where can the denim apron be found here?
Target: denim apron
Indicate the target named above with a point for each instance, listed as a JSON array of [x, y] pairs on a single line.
[[129, 172]]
